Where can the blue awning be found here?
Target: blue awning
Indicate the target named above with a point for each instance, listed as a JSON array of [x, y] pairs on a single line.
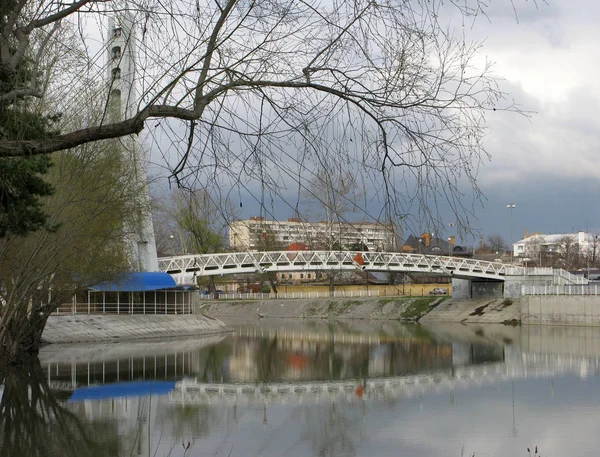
[[123, 389], [137, 282]]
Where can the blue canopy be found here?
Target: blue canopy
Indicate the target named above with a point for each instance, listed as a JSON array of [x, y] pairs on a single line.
[[137, 282], [123, 389]]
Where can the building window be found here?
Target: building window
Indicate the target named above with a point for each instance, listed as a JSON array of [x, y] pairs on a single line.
[[308, 275], [116, 52], [301, 275], [116, 73], [290, 276], [117, 31]]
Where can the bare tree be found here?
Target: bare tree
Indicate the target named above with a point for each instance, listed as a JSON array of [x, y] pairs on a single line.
[[332, 196], [568, 252], [283, 85], [534, 248], [592, 251], [496, 243], [239, 94]]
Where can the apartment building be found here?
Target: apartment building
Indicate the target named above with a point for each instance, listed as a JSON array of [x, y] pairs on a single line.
[[257, 234]]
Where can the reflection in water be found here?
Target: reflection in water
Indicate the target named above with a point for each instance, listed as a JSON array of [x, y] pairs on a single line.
[[314, 389], [35, 422]]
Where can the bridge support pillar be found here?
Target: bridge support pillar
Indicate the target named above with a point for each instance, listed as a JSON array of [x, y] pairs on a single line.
[[476, 288], [461, 288]]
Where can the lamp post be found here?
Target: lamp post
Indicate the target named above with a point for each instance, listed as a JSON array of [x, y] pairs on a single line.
[[510, 207], [451, 225], [450, 245]]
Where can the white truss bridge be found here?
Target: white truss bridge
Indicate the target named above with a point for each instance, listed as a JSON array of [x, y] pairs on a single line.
[[280, 261]]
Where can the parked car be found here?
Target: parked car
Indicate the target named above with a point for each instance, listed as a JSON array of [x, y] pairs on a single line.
[[438, 291], [207, 292]]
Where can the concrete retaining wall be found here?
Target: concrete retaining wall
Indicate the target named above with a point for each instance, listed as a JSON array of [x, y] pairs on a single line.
[[392, 308], [111, 327], [561, 309]]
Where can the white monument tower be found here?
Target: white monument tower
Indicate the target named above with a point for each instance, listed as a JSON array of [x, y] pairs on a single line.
[[123, 100]]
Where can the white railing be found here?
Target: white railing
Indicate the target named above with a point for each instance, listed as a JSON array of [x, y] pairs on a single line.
[[568, 289], [540, 271], [575, 279], [315, 294], [174, 302]]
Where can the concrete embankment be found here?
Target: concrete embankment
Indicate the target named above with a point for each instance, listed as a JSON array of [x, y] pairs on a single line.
[[561, 309], [422, 309], [396, 308], [481, 311], [96, 327]]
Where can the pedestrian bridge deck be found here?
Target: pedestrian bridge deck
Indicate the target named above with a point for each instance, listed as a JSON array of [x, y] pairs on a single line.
[[290, 261]]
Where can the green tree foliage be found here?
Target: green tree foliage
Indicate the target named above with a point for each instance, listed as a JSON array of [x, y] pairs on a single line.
[[21, 178], [21, 186], [204, 238], [38, 272]]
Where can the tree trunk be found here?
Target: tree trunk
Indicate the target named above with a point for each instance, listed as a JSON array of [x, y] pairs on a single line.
[[20, 337], [331, 285], [271, 278], [212, 289]]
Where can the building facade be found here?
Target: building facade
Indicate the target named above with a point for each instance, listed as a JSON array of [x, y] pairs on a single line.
[[258, 234], [537, 246]]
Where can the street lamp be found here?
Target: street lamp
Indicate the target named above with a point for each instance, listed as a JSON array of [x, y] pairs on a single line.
[[450, 245], [510, 207]]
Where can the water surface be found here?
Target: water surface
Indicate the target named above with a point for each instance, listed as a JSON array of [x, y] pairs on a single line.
[[279, 388]]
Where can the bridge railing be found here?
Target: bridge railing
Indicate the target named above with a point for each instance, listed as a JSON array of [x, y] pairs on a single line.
[[312, 294]]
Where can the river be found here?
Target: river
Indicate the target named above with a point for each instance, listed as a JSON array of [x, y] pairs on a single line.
[[277, 388]]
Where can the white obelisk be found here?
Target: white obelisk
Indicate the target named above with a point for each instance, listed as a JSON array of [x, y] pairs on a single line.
[[123, 100]]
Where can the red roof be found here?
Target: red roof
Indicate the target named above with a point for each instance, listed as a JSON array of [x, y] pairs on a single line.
[[297, 247]]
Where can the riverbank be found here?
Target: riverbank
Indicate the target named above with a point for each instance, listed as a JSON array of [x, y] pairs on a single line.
[[405, 309], [109, 327]]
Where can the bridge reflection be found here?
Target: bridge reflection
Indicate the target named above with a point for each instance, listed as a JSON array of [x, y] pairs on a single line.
[[292, 364]]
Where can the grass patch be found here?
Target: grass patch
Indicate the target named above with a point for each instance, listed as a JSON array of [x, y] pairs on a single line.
[[417, 308], [311, 310], [331, 305]]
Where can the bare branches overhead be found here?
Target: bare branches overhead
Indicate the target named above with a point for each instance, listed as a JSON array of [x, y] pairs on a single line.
[[387, 85]]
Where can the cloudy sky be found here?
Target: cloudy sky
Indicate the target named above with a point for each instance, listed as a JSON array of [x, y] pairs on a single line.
[[547, 164], [544, 55]]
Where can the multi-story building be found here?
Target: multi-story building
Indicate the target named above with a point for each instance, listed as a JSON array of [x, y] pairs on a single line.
[[256, 234]]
